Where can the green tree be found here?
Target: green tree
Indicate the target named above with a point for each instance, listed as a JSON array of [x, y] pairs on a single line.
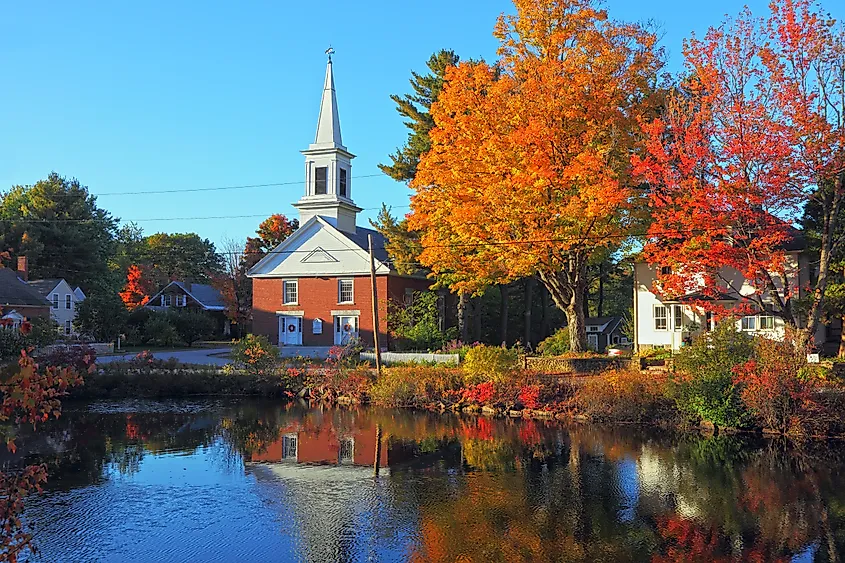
[[181, 256], [192, 325], [56, 223], [102, 315], [416, 324], [129, 248], [416, 109]]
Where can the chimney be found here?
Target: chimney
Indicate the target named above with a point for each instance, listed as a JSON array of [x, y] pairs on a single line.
[[23, 268]]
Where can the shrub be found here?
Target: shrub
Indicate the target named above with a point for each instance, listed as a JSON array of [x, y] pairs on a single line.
[[556, 344], [81, 358], [192, 325], [489, 363], [623, 396], [255, 354], [416, 386], [159, 331], [776, 386], [703, 387]]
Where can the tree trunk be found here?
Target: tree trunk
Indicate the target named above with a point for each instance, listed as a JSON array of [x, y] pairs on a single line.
[[463, 311], [544, 320], [476, 320], [842, 338], [829, 228], [503, 315], [567, 288], [600, 305], [529, 303]]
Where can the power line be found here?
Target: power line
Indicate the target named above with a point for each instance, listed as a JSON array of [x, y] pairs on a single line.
[[213, 189]]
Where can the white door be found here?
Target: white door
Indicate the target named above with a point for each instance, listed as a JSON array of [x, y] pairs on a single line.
[[290, 331], [593, 341], [345, 328]]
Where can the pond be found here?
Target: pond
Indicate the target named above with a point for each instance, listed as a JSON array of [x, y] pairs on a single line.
[[256, 481]]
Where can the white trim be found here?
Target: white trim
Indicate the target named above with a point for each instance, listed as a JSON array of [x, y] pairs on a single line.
[[285, 283], [346, 313], [290, 313], [339, 291], [665, 318]]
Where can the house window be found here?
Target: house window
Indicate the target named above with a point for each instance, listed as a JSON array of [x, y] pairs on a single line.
[[341, 189], [749, 323], [68, 302], [290, 292], [616, 339], [661, 317], [344, 291], [320, 180], [67, 327], [767, 322], [679, 317], [55, 297], [289, 446], [181, 300], [666, 270], [346, 454], [166, 300], [592, 329]]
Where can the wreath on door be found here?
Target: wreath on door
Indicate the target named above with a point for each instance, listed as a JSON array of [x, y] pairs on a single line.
[[291, 328], [347, 327]]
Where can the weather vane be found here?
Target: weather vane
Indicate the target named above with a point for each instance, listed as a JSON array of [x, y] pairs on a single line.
[[330, 52]]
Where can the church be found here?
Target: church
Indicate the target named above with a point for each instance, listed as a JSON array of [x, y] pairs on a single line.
[[315, 289]]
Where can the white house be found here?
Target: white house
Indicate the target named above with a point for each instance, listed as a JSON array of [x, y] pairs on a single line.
[[661, 322], [63, 300]]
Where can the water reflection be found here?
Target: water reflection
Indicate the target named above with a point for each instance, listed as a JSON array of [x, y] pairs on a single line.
[[263, 482]]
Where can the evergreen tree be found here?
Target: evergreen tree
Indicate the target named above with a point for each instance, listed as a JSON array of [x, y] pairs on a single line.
[[57, 224], [415, 108]]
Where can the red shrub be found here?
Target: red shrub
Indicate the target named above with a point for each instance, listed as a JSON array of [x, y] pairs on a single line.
[[529, 396], [776, 387]]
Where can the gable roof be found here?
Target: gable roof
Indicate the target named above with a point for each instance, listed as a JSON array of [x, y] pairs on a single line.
[[45, 286], [607, 324], [356, 244], [206, 295], [16, 292], [360, 239]]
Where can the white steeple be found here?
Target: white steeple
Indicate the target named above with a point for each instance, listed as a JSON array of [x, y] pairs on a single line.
[[328, 167], [328, 125]]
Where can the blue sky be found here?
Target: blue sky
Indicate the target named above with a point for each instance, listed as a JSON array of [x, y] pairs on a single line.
[[150, 96]]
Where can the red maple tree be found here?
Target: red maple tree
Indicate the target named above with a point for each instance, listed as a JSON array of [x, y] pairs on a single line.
[[138, 287], [754, 131]]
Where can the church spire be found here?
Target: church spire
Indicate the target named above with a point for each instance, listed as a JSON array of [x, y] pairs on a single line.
[[328, 125]]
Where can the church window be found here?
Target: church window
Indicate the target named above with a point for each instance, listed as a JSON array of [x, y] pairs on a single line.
[[342, 183], [290, 292], [320, 176]]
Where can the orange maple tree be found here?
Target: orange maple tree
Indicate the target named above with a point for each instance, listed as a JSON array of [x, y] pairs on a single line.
[[529, 168], [754, 131], [138, 287]]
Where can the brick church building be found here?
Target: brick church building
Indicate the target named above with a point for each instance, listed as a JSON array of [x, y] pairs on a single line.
[[314, 289]]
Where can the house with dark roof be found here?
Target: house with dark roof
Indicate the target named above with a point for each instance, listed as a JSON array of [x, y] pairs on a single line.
[[63, 301], [604, 333], [314, 289], [19, 302], [671, 322], [186, 295]]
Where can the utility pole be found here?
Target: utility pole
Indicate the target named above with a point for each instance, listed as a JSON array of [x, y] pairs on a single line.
[[375, 304]]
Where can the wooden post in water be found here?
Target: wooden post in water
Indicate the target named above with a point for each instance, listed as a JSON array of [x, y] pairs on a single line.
[[375, 306], [378, 450]]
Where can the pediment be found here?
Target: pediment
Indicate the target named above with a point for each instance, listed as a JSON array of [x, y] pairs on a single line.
[[319, 256]]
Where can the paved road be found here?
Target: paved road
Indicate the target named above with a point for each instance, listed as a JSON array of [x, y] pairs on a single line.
[[204, 356]]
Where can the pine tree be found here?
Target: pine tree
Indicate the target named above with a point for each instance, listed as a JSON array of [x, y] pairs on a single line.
[[416, 108]]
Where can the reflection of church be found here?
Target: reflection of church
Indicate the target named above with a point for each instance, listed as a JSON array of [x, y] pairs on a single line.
[[326, 445]]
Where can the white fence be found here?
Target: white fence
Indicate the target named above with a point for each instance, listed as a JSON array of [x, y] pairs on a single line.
[[388, 358]]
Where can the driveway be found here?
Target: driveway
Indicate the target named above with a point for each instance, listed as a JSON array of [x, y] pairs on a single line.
[[202, 356]]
